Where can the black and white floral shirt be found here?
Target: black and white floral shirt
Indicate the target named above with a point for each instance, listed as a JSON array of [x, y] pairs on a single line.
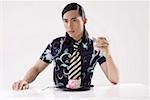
[[61, 49]]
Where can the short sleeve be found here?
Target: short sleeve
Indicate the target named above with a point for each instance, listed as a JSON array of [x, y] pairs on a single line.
[[46, 55], [101, 58]]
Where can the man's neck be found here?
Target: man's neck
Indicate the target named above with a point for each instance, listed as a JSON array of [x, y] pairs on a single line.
[[77, 38]]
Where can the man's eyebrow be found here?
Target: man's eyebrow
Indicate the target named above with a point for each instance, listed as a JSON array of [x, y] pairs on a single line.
[[71, 18], [65, 19]]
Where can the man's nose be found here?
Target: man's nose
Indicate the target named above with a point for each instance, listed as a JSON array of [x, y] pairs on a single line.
[[69, 25]]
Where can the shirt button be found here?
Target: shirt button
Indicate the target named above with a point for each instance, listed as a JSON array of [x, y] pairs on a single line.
[[85, 59]]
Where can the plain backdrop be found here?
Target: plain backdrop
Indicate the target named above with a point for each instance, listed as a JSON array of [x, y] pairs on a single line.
[[27, 27]]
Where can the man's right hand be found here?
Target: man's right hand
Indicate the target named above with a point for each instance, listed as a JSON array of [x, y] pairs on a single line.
[[20, 85], [30, 76]]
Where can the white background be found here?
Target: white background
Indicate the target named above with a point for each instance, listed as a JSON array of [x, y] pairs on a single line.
[[27, 27]]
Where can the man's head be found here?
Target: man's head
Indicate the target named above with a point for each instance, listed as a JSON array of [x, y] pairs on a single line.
[[74, 20]]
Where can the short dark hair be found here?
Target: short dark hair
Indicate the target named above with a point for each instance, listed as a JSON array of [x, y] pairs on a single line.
[[74, 6]]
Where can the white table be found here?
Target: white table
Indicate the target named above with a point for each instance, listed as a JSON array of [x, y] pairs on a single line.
[[109, 92]]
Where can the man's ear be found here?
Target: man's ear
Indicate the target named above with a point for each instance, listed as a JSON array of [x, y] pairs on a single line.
[[84, 20]]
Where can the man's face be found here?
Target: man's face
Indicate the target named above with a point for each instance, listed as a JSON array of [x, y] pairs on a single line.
[[73, 23]]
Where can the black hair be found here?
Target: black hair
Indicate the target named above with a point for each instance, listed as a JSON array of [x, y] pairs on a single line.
[[74, 6]]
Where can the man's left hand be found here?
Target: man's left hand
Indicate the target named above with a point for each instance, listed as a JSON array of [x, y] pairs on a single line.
[[102, 45]]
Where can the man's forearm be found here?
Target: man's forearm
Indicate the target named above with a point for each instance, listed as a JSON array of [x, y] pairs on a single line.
[[111, 70], [31, 75]]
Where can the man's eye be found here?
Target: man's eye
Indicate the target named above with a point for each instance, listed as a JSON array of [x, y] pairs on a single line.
[[74, 20], [65, 21]]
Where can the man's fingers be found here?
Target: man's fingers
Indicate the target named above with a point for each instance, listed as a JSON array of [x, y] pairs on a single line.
[[22, 84], [102, 44], [17, 85], [101, 40], [13, 86], [25, 87]]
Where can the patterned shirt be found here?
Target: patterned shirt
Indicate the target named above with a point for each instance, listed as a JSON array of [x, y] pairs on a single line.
[[61, 49]]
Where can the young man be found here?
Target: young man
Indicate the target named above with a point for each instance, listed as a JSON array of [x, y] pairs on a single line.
[[74, 55]]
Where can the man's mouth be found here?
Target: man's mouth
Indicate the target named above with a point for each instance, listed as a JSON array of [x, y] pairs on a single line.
[[70, 31]]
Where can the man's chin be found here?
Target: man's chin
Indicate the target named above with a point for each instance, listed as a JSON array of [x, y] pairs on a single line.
[[72, 34]]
